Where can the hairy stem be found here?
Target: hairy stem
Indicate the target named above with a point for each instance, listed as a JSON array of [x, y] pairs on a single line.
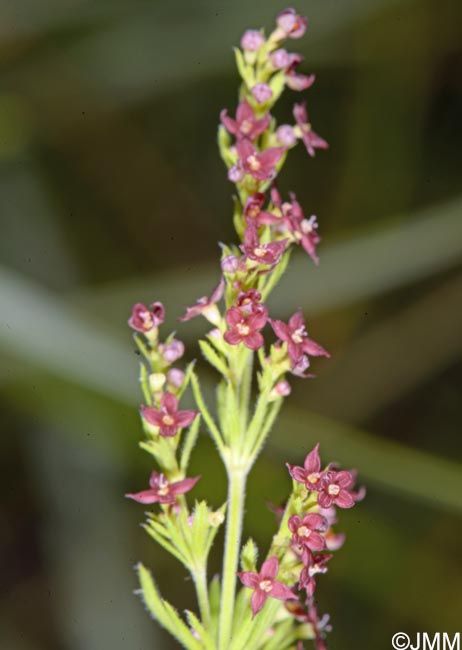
[[236, 497], [200, 581]]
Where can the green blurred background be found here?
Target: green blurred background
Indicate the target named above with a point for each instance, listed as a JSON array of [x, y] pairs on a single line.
[[112, 192]]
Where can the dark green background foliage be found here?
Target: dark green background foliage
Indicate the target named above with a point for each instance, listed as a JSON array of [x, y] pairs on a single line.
[[112, 191]]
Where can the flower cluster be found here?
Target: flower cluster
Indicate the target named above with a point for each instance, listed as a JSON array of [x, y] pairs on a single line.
[[305, 542], [281, 611]]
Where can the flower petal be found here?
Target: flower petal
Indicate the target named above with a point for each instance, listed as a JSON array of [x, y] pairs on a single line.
[[269, 568], [146, 496], [258, 600], [249, 579], [184, 418], [151, 415], [169, 403], [313, 461], [344, 499], [253, 341], [187, 484], [281, 591]]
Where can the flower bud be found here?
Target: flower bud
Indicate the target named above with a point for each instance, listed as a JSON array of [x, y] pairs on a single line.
[[156, 381], [286, 135], [172, 351], [229, 264], [252, 40], [235, 174], [175, 377], [262, 93]]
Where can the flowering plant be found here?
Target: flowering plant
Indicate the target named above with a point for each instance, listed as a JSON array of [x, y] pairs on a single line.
[[274, 607]]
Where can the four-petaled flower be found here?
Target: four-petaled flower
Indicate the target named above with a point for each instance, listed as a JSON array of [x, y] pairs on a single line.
[[162, 491], [310, 473], [168, 418], [145, 319], [262, 166], [253, 210], [311, 139], [264, 584], [299, 346], [244, 326], [306, 530], [206, 306], [316, 564], [268, 254], [252, 40], [334, 489], [304, 231], [246, 124]]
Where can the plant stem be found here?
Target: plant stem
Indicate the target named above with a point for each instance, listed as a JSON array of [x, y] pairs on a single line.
[[236, 496], [200, 581]]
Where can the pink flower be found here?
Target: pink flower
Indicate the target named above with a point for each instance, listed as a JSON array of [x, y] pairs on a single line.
[[162, 491], [298, 344], [262, 93], [248, 300], [144, 319], [292, 24], [299, 82], [204, 305], [168, 418], [310, 473], [283, 60], [282, 388], [311, 139], [264, 584], [261, 253], [261, 166], [244, 326], [246, 125], [230, 264], [333, 489], [292, 220], [253, 210], [252, 40], [315, 566], [305, 531]]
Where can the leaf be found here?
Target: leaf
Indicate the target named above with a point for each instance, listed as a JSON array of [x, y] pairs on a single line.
[[214, 358], [163, 612], [277, 85], [224, 143], [249, 556], [245, 71], [190, 440], [203, 634]]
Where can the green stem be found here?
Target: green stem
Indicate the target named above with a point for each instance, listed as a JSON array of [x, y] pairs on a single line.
[[236, 497], [200, 581]]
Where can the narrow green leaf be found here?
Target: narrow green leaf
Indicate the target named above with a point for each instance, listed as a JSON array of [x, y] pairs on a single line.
[[202, 633], [163, 612], [277, 85], [189, 443], [244, 70], [214, 358]]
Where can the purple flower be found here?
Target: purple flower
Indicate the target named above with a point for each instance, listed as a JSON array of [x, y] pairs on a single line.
[[334, 489], [315, 565], [253, 210], [172, 351], [262, 93], [168, 418], [248, 301], [144, 319], [305, 531], [230, 264], [246, 125], [162, 491], [261, 166], [244, 326], [310, 473], [206, 306], [285, 135], [261, 253], [311, 139], [252, 40], [298, 344], [291, 24], [298, 82], [283, 60], [264, 584]]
